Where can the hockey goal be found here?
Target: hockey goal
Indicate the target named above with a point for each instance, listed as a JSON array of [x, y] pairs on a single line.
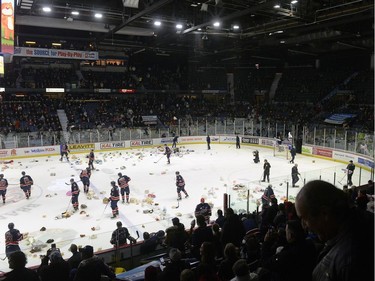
[[281, 151]]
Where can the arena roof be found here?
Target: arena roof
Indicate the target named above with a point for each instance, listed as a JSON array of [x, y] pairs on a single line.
[[268, 30]]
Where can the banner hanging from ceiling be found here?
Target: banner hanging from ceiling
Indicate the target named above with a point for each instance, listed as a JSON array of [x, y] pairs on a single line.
[[7, 26]]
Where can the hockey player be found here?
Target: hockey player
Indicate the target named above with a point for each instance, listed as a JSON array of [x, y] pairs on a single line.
[[25, 184], [295, 175], [349, 171], [91, 159], [293, 154], [85, 178], [208, 140], [266, 171], [256, 156], [3, 187], [75, 194], [12, 239], [238, 142], [175, 140], [64, 149], [168, 152], [180, 183], [268, 195], [203, 209], [114, 198], [121, 235], [123, 182]]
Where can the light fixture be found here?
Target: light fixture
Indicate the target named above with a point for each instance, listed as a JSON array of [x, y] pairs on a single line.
[[216, 24], [235, 27], [178, 26], [157, 23], [56, 44], [294, 2], [279, 31], [199, 29], [46, 9], [75, 13], [277, 6], [98, 15], [282, 42], [30, 42]]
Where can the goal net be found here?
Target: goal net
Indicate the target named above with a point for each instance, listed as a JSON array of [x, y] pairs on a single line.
[[281, 151]]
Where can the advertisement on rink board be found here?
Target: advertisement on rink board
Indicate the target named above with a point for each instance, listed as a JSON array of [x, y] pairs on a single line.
[[322, 152], [227, 139], [110, 145], [81, 147], [29, 151], [250, 140], [141, 143], [267, 142]]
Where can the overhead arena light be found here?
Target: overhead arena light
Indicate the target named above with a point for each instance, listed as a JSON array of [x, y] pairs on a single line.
[[131, 3], [98, 15], [157, 23], [179, 26], [75, 13], [47, 9]]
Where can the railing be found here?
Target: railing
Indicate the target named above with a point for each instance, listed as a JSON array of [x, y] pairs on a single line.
[[332, 137]]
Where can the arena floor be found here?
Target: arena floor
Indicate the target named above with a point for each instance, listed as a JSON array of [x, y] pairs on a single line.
[[207, 173]]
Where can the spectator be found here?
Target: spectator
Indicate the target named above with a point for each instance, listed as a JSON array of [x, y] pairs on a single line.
[[149, 243], [233, 230], [76, 257], [362, 200], [295, 261], [176, 235], [17, 261], [174, 268], [92, 267], [280, 218], [151, 273], [220, 218], [225, 271], [207, 268], [242, 272], [57, 270], [187, 275], [348, 233], [216, 231], [201, 234], [249, 222]]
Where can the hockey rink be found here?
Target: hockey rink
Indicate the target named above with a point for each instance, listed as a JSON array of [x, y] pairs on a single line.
[[207, 173]]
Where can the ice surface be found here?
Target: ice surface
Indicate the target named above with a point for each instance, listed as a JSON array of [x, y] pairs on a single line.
[[207, 173]]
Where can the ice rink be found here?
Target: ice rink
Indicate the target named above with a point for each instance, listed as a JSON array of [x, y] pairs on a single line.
[[207, 173]]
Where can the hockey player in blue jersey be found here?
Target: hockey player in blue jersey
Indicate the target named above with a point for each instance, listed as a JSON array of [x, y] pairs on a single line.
[[25, 183], [123, 182], [180, 183], [114, 198], [85, 178], [168, 152]]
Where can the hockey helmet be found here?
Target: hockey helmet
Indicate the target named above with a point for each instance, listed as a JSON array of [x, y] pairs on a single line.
[[177, 172], [71, 180], [11, 225], [119, 174], [1, 175], [23, 173], [113, 183]]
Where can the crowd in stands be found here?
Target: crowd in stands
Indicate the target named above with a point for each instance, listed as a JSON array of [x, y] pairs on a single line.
[[296, 101], [327, 231]]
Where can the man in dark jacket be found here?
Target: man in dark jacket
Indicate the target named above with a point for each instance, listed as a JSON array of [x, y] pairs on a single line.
[[92, 267], [233, 229], [348, 233]]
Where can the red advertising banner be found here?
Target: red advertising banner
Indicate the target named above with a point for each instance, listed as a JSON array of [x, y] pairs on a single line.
[[322, 152], [7, 26]]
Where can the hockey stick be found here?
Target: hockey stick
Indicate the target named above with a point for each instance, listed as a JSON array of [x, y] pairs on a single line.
[[67, 208], [178, 205], [340, 181], [4, 258], [70, 183], [159, 159], [103, 212]]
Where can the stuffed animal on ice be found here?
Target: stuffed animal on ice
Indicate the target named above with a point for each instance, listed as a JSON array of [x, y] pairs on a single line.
[[7, 20]]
